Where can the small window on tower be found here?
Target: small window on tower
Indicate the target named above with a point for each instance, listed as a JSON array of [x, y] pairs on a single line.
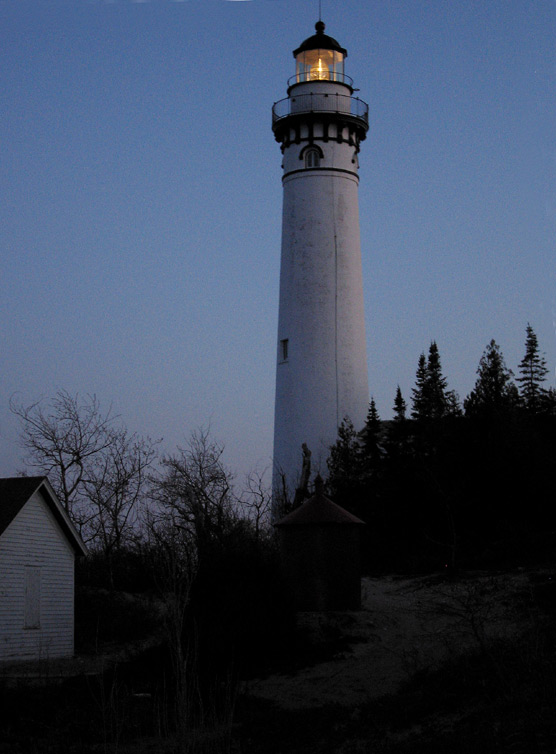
[[283, 356], [312, 158]]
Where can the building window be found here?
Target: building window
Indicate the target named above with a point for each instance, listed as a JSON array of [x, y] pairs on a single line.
[[283, 354], [312, 158], [32, 597]]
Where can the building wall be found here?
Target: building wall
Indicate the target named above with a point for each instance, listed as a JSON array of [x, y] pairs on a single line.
[[322, 566], [321, 315], [36, 586]]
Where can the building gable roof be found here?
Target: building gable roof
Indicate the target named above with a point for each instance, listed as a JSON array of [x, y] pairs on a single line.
[[15, 493]]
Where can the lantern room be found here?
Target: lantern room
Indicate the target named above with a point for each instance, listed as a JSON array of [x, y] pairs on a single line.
[[319, 58]]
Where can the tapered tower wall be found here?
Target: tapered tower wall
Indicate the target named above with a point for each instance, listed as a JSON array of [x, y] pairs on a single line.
[[321, 373]]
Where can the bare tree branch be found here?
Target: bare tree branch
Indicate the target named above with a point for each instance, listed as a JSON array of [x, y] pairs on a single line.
[[96, 467], [256, 500], [195, 487]]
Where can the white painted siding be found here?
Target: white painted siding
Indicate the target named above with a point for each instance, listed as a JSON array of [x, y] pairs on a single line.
[[34, 543], [321, 311]]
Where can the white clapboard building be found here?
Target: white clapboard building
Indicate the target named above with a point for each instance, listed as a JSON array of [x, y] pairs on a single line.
[[38, 547]]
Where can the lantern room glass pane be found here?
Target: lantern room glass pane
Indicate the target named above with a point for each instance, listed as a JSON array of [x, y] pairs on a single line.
[[319, 65], [338, 67]]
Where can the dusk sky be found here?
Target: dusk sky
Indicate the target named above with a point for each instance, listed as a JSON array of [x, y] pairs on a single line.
[[141, 205]]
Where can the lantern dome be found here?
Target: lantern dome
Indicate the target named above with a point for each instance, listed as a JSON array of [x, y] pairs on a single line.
[[320, 41]]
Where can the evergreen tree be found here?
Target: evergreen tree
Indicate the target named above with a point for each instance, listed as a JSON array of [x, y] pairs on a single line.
[[372, 425], [344, 462], [549, 402], [370, 437], [398, 430], [453, 404], [435, 386], [418, 392], [533, 372], [400, 406], [494, 392], [429, 395]]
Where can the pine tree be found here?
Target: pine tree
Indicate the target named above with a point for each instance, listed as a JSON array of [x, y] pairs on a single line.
[[494, 392], [549, 402], [453, 404], [533, 372], [370, 437], [418, 392], [435, 386], [372, 423], [400, 406], [398, 430], [429, 395], [344, 461]]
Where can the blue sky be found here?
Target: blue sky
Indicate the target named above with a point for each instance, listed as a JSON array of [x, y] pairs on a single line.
[[141, 199]]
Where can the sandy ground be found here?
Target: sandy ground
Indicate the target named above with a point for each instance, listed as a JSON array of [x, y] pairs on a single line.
[[405, 625]]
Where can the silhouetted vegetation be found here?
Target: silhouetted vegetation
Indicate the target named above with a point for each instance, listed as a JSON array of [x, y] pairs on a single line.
[[182, 600], [455, 487]]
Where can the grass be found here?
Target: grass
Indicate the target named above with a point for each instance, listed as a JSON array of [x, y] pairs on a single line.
[[460, 708], [497, 698]]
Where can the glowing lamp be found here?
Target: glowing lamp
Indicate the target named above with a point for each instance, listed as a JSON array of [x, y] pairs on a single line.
[[319, 71]]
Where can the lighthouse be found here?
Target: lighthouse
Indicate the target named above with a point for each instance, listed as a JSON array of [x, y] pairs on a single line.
[[321, 370]]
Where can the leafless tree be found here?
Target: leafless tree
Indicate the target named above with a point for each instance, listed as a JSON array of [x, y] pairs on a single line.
[[195, 487], [96, 467], [200, 527], [60, 437], [173, 554], [116, 486], [193, 504], [255, 501]]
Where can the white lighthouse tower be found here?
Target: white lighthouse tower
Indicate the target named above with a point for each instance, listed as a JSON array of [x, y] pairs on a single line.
[[321, 371]]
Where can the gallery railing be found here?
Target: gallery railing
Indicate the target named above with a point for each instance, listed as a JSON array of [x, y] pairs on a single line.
[[322, 103]]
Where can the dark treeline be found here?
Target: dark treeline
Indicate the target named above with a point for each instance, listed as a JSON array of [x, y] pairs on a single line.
[[446, 485]]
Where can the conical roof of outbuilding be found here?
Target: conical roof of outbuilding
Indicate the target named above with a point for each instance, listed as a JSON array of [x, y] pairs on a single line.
[[319, 510]]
